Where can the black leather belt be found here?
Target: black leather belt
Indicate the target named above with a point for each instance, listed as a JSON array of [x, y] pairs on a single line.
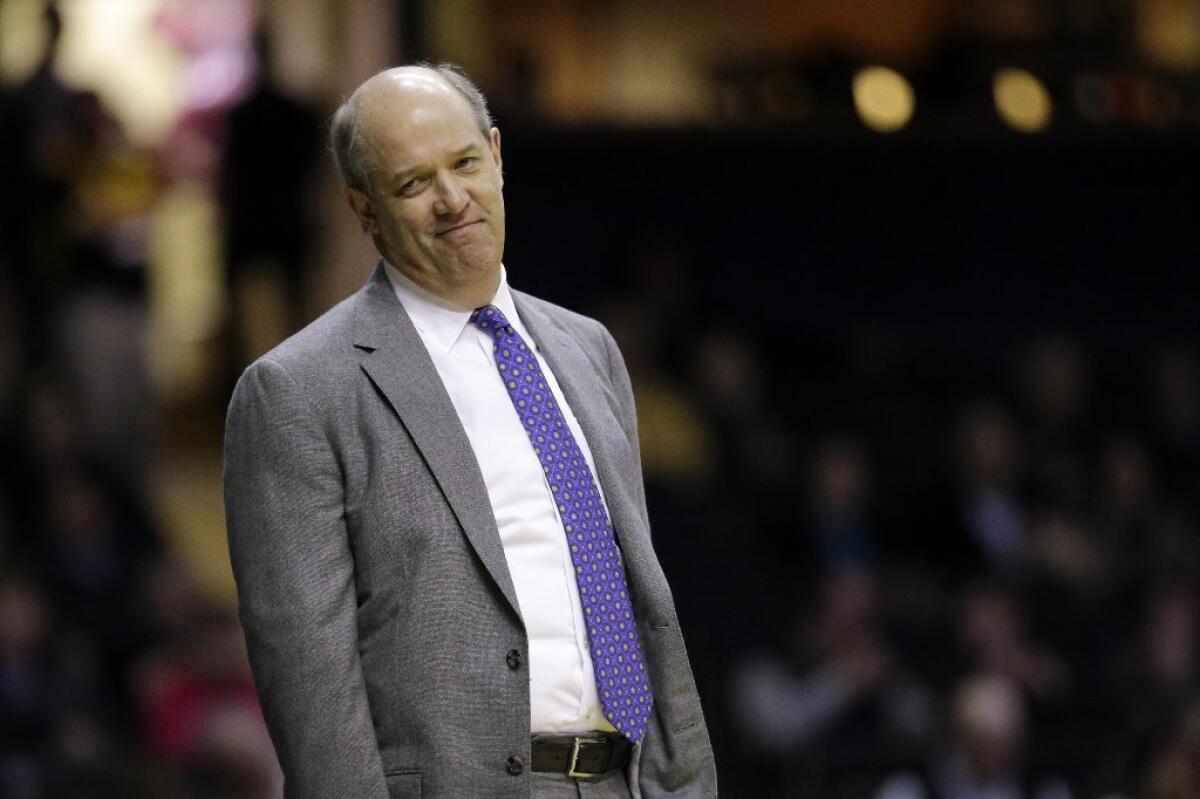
[[580, 756]]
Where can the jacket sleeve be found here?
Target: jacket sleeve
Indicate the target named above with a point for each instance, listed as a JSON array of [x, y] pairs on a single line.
[[294, 569], [618, 375]]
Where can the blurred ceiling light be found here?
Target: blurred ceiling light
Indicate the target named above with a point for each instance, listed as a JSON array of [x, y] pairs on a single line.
[[883, 98], [1021, 100]]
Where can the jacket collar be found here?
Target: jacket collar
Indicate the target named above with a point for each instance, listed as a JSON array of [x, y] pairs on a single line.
[[396, 361]]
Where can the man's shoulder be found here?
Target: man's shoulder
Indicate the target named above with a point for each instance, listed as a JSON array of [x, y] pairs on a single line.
[[571, 321], [316, 351]]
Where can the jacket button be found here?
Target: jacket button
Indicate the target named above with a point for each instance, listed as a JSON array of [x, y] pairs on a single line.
[[515, 765], [513, 659]]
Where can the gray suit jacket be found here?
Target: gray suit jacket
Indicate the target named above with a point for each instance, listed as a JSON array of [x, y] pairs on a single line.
[[373, 587]]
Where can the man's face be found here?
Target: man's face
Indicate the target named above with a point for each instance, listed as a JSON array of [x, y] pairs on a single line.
[[435, 209]]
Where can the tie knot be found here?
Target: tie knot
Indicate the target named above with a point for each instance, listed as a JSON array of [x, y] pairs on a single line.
[[489, 318]]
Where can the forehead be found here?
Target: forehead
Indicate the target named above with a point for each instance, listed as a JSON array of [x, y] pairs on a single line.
[[412, 115]]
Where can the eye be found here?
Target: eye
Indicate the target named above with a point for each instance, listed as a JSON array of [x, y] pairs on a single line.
[[412, 186], [466, 162]]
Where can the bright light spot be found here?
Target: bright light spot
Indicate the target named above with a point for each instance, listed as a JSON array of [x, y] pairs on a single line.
[[883, 98], [113, 49], [1021, 100]]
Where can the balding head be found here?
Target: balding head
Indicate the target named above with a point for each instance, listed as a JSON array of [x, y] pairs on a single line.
[[347, 141], [424, 177]]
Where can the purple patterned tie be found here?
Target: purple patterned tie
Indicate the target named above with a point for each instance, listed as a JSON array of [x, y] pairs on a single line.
[[616, 652]]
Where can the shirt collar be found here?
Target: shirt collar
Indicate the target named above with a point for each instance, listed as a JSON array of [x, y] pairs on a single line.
[[439, 321]]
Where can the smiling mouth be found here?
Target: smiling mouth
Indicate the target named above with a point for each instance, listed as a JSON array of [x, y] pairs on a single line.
[[457, 228]]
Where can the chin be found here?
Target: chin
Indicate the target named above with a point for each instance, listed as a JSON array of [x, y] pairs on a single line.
[[469, 265]]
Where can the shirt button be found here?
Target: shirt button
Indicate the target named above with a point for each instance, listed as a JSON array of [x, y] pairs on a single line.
[[513, 659], [515, 765]]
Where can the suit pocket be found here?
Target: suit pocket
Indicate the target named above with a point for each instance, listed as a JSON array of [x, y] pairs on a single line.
[[403, 784], [671, 674]]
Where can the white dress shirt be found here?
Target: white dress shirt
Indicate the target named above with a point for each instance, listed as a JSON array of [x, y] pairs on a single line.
[[562, 687]]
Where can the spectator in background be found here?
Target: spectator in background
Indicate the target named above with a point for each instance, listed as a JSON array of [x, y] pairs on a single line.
[[1154, 668], [757, 451], [1173, 420], [748, 500], [678, 446], [1171, 643], [51, 435], [199, 710], [1172, 770], [56, 720], [839, 524], [27, 690], [76, 196], [1068, 558], [983, 751], [837, 702], [1053, 382], [103, 316], [982, 524], [270, 157], [90, 552], [994, 637], [42, 133], [1130, 518]]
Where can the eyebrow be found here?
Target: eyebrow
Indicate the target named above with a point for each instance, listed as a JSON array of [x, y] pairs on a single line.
[[469, 147]]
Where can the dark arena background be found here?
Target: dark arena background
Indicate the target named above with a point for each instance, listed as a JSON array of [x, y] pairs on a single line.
[[907, 291]]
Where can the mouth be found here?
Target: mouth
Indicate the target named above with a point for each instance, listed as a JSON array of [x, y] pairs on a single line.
[[460, 227]]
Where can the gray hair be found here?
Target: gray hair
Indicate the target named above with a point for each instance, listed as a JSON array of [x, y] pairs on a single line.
[[345, 137]]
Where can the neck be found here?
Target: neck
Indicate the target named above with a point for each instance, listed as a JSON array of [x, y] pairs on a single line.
[[465, 296]]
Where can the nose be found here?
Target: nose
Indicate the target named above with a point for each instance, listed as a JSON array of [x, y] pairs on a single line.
[[452, 198]]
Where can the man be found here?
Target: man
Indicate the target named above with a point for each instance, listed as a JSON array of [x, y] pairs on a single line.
[[435, 505]]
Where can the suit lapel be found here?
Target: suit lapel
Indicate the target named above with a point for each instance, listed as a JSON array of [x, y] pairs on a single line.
[[591, 400], [395, 359]]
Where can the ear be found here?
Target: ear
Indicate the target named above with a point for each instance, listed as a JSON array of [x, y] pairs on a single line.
[[360, 203], [494, 145]]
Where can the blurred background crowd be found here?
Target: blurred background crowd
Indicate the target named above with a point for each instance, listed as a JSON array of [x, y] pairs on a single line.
[[906, 291]]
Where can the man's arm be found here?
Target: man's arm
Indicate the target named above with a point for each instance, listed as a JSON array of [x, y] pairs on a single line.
[[295, 575]]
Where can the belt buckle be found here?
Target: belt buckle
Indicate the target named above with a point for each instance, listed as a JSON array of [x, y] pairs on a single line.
[[571, 772]]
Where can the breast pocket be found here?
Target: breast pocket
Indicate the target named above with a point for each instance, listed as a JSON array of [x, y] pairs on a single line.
[[404, 784]]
